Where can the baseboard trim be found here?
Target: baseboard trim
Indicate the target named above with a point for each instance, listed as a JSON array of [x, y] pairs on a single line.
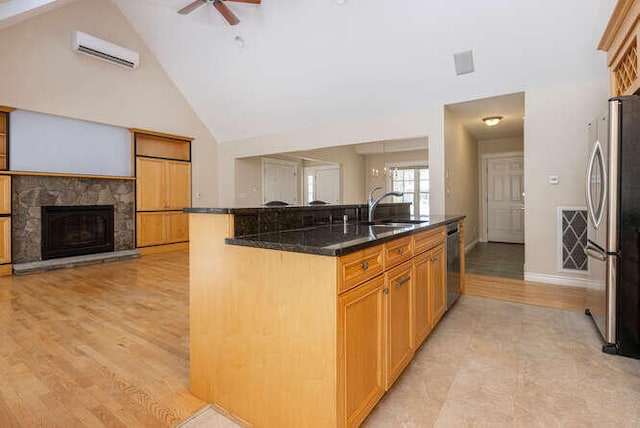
[[145, 251], [470, 246], [556, 279], [6, 270]]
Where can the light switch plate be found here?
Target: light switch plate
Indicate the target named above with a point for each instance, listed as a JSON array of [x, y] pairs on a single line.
[[553, 179]]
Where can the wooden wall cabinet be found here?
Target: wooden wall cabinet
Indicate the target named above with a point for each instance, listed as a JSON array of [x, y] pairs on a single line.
[[620, 41], [437, 283], [162, 184], [4, 137], [5, 224], [163, 188]]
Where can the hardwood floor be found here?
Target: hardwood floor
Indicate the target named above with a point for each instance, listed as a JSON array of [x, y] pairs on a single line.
[[532, 293], [100, 345]]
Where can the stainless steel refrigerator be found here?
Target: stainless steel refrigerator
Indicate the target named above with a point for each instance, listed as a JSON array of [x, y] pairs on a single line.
[[613, 205]]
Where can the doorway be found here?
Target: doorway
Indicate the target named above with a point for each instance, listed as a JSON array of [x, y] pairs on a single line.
[[279, 181], [484, 180]]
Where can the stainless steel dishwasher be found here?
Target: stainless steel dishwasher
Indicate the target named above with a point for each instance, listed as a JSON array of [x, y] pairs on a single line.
[[453, 263]]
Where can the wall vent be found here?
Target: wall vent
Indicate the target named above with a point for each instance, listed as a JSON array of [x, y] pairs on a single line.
[[464, 62], [572, 230]]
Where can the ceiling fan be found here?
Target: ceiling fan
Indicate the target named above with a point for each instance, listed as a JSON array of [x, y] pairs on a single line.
[[231, 18]]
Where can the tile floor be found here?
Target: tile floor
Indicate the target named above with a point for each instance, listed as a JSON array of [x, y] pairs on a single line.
[[496, 259], [491, 363]]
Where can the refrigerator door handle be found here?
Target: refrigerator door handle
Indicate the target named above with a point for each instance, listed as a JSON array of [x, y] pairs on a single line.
[[595, 253], [596, 218]]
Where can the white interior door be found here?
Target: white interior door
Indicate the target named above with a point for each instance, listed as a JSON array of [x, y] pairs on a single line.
[[505, 199], [327, 184], [279, 181]]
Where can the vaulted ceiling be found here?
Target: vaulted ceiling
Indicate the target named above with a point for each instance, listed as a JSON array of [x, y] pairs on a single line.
[[316, 63]]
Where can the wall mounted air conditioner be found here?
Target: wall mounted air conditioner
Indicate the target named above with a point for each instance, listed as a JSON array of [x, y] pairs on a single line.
[[107, 51]]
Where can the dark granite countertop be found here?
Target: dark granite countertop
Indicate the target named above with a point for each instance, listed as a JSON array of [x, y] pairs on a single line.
[[337, 239], [284, 208]]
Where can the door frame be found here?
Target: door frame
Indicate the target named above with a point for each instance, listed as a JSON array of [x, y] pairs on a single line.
[[335, 166], [264, 161], [483, 188]]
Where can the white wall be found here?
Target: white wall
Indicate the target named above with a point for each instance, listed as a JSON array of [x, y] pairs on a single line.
[[500, 145], [556, 138], [39, 72], [352, 169], [407, 125], [248, 181], [461, 167], [378, 161]]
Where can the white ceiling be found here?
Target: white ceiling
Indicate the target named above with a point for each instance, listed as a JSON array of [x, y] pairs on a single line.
[[313, 63], [510, 107]]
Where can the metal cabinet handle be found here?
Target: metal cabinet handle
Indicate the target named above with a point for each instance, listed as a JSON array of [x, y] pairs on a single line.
[[400, 250], [435, 259], [385, 291], [365, 266], [403, 281]]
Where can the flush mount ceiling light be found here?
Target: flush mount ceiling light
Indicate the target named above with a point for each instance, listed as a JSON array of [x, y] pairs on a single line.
[[492, 120]]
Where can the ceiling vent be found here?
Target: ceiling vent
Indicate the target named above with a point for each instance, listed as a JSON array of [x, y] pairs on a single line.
[[107, 51], [464, 62]]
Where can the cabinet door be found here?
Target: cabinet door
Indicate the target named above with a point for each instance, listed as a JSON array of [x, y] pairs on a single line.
[[178, 185], [5, 240], [150, 229], [421, 310], [5, 194], [437, 284], [177, 227], [361, 350], [399, 282], [150, 184]]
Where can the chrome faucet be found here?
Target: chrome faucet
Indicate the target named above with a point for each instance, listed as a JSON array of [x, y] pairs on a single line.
[[373, 204]]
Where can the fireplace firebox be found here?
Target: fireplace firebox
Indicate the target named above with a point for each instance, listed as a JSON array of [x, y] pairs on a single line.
[[76, 230]]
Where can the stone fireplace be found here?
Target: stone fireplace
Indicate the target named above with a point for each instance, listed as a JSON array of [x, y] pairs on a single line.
[[34, 196]]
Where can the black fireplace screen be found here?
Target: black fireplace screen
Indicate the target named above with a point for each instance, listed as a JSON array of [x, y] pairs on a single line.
[[76, 230]]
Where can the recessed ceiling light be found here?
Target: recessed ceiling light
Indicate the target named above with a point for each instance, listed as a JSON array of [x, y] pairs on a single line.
[[492, 120], [239, 41], [341, 2]]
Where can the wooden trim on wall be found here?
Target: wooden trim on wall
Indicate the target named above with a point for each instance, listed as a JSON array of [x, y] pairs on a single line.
[[6, 109], [161, 134], [615, 23], [163, 248], [55, 174]]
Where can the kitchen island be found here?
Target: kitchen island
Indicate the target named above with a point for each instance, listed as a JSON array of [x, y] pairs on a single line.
[[303, 319]]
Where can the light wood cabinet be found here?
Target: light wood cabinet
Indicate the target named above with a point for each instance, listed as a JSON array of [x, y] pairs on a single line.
[[162, 184], [5, 240], [361, 336], [399, 287], [328, 336], [157, 228], [4, 137], [163, 188], [620, 41], [421, 306], [5, 194], [437, 284]]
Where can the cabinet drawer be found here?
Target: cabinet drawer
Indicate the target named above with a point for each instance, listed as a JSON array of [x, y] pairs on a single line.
[[359, 267], [424, 240], [397, 251]]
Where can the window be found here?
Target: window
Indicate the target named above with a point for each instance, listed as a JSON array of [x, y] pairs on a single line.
[[414, 182]]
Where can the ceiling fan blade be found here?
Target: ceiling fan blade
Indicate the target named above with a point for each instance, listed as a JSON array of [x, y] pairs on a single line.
[[191, 7], [226, 12], [247, 1]]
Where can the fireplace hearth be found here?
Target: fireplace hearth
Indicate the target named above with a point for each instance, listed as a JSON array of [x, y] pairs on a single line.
[[77, 230]]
